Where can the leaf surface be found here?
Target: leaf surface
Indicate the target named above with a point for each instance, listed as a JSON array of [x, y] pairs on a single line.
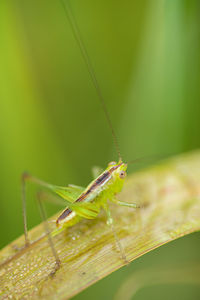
[[170, 196]]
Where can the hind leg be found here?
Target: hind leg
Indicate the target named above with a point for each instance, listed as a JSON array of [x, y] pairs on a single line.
[[41, 196], [47, 230]]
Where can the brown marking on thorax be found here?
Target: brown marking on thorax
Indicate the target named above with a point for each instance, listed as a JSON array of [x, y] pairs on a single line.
[[97, 183]]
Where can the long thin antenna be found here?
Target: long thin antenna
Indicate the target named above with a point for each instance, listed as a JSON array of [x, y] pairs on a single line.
[[83, 50]]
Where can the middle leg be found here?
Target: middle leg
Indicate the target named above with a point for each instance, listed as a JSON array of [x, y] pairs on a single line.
[[110, 222]]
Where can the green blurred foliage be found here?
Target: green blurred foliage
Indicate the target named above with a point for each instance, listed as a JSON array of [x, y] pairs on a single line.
[[146, 58]]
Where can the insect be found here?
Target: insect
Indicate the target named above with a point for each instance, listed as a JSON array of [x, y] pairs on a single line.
[[83, 202]]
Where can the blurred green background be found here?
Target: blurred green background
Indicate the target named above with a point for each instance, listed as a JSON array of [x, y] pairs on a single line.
[[146, 58]]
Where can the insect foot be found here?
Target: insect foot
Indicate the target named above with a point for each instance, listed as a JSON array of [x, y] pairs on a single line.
[[56, 267], [126, 262]]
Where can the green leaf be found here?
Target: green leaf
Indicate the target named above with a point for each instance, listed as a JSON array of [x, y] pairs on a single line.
[[170, 196]]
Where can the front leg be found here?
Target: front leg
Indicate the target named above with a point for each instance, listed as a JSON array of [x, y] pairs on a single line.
[[122, 203]]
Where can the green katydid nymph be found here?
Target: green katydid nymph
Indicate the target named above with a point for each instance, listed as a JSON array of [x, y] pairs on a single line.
[[83, 202]]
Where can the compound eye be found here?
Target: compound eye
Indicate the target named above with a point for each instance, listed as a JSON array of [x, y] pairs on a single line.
[[122, 174], [112, 163]]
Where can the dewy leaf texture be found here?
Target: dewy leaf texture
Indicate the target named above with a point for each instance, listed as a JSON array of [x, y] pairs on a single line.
[[169, 194]]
